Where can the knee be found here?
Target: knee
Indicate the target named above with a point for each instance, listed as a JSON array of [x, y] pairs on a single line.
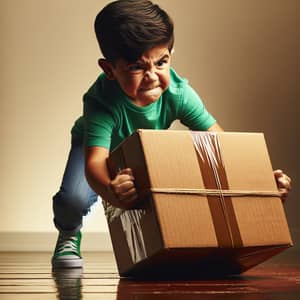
[[72, 202]]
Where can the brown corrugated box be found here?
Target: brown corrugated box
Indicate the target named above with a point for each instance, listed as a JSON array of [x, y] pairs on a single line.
[[209, 204]]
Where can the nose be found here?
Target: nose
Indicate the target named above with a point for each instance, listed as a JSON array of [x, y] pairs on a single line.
[[151, 75]]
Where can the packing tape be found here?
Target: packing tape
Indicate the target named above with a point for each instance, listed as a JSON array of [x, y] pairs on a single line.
[[131, 224], [130, 219], [214, 177]]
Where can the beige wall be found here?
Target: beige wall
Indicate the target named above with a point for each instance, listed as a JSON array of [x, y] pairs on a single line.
[[241, 56]]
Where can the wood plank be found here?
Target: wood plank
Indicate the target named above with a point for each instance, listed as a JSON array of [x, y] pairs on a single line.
[[28, 275]]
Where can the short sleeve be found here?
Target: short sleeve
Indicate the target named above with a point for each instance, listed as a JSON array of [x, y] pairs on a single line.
[[193, 113], [98, 124]]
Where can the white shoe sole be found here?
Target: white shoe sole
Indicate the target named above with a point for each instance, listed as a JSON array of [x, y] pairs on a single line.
[[67, 263]]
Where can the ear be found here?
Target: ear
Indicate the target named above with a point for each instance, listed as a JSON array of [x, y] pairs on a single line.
[[107, 68]]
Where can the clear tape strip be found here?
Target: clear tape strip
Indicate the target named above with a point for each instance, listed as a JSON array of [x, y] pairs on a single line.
[[208, 149], [131, 223]]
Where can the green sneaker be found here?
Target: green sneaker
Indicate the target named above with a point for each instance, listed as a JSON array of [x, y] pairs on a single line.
[[67, 251]]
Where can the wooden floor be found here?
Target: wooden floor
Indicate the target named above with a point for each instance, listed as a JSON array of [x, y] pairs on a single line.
[[28, 275]]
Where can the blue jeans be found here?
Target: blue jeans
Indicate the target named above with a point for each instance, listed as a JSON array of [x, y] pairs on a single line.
[[75, 196]]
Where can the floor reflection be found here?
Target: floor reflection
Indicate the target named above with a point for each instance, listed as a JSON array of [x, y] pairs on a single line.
[[261, 284], [273, 281], [187, 290], [68, 283]]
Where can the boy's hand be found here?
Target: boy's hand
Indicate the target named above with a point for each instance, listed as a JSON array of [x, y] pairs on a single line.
[[283, 183], [122, 186]]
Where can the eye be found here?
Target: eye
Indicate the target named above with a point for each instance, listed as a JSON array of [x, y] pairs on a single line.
[[135, 68], [162, 62]]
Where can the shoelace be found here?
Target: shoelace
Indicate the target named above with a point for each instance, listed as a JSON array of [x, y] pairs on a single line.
[[67, 244]]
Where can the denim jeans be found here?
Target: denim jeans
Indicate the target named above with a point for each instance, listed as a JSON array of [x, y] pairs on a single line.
[[75, 196]]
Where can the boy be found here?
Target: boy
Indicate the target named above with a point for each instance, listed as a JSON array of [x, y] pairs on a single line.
[[138, 89]]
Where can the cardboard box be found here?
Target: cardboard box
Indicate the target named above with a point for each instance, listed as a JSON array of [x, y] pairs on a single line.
[[209, 204]]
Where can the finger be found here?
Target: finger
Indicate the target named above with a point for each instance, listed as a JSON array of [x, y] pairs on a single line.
[[281, 174], [123, 178], [120, 178], [124, 187], [278, 173], [126, 171], [284, 182], [129, 194], [124, 174], [288, 178]]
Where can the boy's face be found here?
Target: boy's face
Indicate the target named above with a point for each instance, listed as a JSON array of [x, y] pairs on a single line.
[[145, 80]]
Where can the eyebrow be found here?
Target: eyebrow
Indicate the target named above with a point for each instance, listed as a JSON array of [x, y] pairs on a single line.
[[145, 62], [163, 57]]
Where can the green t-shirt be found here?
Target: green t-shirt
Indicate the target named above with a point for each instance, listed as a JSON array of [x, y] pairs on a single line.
[[110, 116]]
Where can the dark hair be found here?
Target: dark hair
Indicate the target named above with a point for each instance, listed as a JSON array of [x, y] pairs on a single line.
[[127, 28]]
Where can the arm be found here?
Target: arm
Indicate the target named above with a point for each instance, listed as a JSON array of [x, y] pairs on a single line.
[[119, 192], [216, 127]]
